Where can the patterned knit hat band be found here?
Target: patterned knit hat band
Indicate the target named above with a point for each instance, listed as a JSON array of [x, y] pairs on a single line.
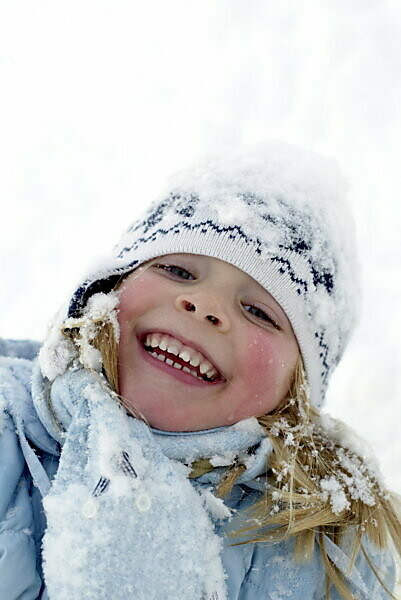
[[277, 213]]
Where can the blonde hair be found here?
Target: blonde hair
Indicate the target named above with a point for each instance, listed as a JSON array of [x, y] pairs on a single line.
[[311, 491], [307, 461]]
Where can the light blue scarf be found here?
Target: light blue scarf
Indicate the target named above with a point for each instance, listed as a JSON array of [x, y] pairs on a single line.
[[124, 521]]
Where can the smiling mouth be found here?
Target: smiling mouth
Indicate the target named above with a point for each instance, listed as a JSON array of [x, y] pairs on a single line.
[[177, 355]]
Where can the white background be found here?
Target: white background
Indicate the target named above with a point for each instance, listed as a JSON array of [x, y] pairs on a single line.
[[101, 100]]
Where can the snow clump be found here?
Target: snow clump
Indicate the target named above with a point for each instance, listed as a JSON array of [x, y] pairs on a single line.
[[333, 491], [215, 506], [59, 351]]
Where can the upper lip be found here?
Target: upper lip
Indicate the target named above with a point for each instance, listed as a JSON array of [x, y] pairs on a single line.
[[186, 342]]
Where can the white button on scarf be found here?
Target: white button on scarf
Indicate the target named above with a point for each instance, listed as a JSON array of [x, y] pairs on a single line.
[[89, 509], [143, 502]]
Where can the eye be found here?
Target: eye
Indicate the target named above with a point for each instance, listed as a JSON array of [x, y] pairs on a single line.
[[260, 314], [175, 271]]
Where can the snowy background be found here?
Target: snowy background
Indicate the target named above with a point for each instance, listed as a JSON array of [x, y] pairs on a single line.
[[101, 100]]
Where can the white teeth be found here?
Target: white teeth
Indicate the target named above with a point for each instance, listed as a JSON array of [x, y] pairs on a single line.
[[154, 340], [205, 367], [173, 347], [163, 343], [195, 360], [162, 358], [184, 354]]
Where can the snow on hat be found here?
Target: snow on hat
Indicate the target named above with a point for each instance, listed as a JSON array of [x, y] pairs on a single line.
[[278, 213]]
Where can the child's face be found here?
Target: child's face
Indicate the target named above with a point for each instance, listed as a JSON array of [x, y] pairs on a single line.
[[221, 315]]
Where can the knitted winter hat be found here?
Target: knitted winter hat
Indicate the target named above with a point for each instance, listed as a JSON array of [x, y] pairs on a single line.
[[277, 212]]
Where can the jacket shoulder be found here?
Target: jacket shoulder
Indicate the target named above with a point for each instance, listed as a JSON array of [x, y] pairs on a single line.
[[18, 551], [15, 384], [16, 400], [27, 349], [274, 572], [270, 569]]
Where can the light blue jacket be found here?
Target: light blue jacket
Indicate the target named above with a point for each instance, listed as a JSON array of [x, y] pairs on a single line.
[[30, 452]]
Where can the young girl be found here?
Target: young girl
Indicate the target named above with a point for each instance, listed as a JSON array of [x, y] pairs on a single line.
[[168, 442]]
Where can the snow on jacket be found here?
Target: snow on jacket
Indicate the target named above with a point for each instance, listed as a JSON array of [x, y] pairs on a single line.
[[136, 527]]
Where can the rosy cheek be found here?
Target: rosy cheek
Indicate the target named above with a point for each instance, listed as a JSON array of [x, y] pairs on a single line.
[[265, 368], [260, 356], [137, 296]]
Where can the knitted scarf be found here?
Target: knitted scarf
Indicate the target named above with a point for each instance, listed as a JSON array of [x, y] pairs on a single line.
[[124, 521]]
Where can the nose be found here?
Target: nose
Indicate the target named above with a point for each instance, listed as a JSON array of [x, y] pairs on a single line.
[[205, 309]]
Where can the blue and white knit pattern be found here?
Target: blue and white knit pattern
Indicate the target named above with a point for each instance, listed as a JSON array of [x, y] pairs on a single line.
[[277, 213]]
